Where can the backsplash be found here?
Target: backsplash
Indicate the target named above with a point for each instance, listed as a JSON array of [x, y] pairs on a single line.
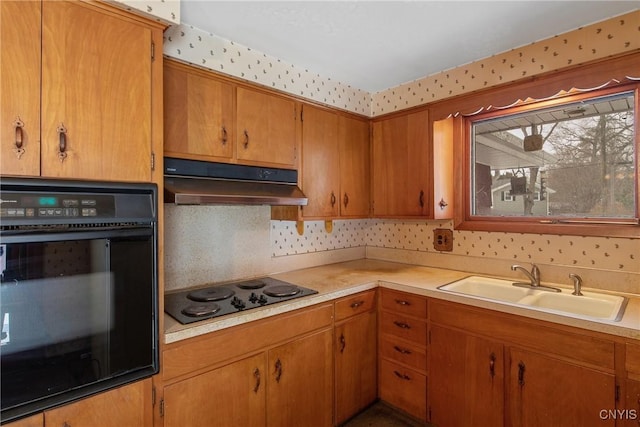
[[604, 253]]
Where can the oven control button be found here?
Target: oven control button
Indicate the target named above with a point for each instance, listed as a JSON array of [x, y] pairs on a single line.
[[262, 299], [253, 298], [238, 303]]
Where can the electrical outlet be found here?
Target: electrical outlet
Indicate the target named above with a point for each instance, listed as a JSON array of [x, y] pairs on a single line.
[[443, 239]]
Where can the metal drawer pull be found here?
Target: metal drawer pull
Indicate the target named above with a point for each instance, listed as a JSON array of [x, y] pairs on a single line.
[[62, 142], [256, 375], [401, 350], [278, 370], [521, 369], [402, 325], [346, 200], [343, 343], [357, 304], [333, 199], [224, 135], [492, 365], [19, 125], [246, 139], [402, 376], [402, 302]]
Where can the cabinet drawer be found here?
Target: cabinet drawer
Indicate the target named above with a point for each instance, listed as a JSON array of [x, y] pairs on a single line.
[[403, 388], [408, 328], [403, 352], [355, 304], [405, 303], [633, 359]]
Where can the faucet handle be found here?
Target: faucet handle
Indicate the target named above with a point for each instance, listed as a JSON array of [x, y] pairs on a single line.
[[535, 272], [577, 284]]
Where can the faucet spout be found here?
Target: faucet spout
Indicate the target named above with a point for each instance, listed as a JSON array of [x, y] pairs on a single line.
[[534, 276]]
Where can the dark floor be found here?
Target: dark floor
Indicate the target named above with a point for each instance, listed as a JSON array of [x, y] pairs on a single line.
[[382, 415]]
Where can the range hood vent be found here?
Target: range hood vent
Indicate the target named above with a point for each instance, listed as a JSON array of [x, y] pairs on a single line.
[[194, 182]]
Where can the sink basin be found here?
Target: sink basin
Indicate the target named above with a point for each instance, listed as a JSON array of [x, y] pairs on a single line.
[[603, 306], [590, 305]]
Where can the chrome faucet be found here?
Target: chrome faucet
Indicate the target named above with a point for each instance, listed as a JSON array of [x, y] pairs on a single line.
[[577, 284], [534, 279]]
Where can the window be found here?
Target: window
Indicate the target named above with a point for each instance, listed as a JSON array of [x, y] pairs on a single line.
[[569, 160]]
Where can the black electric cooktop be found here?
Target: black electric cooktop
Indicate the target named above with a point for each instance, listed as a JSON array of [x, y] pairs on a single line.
[[218, 300]]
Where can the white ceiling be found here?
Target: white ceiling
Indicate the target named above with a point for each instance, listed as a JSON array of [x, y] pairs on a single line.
[[376, 45]]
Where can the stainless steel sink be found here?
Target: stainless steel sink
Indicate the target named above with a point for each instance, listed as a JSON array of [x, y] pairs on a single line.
[[591, 305]]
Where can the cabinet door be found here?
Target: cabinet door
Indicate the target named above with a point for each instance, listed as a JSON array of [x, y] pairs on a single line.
[[356, 365], [466, 381], [96, 94], [353, 135], [128, 405], [233, 395], [266, 128], [32, 421], [20, 36], [301, 382], [631, 408], [544, 391], [198, 112], [401, 166], [320, 163]]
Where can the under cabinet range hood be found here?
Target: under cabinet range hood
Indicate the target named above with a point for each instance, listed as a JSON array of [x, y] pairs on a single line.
[[195, 182]]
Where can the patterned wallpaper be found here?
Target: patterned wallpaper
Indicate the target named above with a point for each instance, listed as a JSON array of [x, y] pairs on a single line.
[[167, 11], [614, 36], [614, 254]]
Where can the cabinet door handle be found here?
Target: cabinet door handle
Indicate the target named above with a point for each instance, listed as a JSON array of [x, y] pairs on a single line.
[[421, 199], [62, 142], [521, 369], [442, 204], [278, 371], [402, 376], [333, 199], [343, 343], [19, 125], [224, 135], [345, 200], [401, 350], [246, 138], [356, 304], [492, 365], [402, 302], [402, 325], [256, 375]]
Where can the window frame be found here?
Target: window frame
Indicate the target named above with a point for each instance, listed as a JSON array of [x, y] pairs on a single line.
[[613, 75]]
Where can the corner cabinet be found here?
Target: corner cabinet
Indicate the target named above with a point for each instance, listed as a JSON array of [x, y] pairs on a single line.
[[355, 354], [401, 159], [90, 70], [335, 164]]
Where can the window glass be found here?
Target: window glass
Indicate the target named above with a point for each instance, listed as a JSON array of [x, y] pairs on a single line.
[[573, 160]]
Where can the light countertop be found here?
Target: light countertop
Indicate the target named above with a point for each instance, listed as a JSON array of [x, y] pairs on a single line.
[[337, 280]]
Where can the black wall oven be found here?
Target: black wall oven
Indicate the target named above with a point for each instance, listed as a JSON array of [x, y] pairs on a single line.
[[78, 290]]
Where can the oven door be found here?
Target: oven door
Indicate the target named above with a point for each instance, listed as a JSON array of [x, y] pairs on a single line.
[[78, 312]]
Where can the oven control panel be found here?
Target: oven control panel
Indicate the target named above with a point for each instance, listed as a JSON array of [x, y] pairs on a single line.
[[49, 206]]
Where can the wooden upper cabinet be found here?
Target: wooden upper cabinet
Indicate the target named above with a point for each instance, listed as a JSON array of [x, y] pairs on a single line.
[[20, 35], [355, 177], [401, 158], [198, 114], [266, 128], [96, 94], [320, 163], [88, 69], [335, 164]]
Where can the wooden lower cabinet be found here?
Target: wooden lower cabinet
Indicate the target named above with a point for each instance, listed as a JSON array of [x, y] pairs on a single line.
[[466, 382], [129, 405], [355, 357], [402, 351], [233, 395], [300, 382], [631, 409], [545, 391]]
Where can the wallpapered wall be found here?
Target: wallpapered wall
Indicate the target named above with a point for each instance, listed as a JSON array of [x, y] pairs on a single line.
[[614, 36], [615, 254]]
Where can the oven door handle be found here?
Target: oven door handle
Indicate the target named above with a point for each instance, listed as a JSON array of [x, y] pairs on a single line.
[[39, 236]]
